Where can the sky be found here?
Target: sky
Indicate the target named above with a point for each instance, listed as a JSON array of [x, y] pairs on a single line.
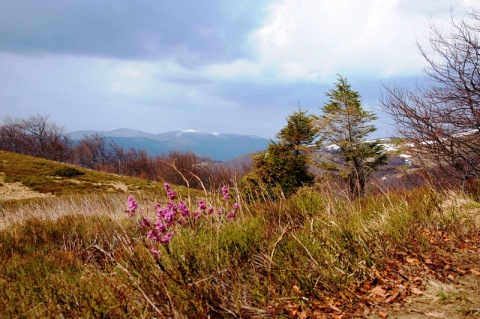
[[228, 66]]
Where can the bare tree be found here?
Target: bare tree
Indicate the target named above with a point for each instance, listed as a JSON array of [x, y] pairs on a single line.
[[92, 152], [442, 119], [35, 136], [139, 163], [182, 168], [12, 136], [118, 156]]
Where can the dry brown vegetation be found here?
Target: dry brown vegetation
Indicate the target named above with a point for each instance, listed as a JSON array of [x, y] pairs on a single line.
[[398, 254]]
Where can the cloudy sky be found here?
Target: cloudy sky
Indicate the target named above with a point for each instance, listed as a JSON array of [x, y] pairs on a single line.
[[222, 65]]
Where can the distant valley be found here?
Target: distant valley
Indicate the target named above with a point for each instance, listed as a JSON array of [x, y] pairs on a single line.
[[216, 146]]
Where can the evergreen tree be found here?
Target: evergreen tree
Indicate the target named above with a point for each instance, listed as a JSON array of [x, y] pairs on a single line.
[[300, 131], [345, 123], [284, 166]]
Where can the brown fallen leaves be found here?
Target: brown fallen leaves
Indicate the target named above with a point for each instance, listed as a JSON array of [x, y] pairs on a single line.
[[475, 272], [402, 274]]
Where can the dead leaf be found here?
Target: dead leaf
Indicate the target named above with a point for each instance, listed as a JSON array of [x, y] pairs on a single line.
[[296, 290], [378, 291], [292, 309], [344, 297], [379, 276], [302, 315], [319, 314], [366, 311], [334, 308], [461, 271], [412, 261], [416, 291], [383, 314], [475, 272], [392, 297]]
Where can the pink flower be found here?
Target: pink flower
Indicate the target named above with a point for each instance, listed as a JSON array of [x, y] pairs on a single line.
[[168, 214], [146, 222], [183, 209], [234, 211], [160, 226], [197, 215], [152, 234], [132, 205], [225, 192], [170, 193], [231, 214], [166, 238], [202, 205], [154, 251]]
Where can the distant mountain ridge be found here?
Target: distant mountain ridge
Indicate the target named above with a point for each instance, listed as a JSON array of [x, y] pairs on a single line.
[[217, 146]]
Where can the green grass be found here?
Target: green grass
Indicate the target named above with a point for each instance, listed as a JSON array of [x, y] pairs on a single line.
[[49, 177], [80, 255]]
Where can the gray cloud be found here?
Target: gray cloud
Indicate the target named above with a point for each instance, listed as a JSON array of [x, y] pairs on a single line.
[[225, 65], [308, 94], [191, 31]]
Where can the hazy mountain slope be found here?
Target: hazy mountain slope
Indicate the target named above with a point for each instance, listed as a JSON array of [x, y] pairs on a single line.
[[217, 146]]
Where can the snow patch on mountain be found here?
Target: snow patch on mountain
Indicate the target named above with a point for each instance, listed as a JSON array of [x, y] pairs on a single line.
[[196, 131]]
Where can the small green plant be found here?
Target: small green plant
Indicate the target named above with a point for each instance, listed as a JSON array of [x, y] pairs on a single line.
[[447, 294], [443, 295]]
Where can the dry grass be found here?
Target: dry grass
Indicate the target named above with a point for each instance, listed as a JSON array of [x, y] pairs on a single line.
[[314, 255], [107, 205], [16, 191]]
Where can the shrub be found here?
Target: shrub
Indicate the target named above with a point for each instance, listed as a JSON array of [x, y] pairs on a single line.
[[67, 172]]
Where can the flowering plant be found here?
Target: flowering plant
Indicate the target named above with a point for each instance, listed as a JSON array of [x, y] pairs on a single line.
[[172, 214], [132, 206]]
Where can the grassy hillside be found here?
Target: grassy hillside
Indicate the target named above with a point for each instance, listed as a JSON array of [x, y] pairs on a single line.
[[23, 178], [316, 255], [48, 177]]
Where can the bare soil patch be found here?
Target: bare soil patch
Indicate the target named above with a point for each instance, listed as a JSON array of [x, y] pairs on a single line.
[[14, 191]]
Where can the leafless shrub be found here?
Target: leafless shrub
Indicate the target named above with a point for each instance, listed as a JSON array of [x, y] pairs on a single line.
[[442, 121]]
